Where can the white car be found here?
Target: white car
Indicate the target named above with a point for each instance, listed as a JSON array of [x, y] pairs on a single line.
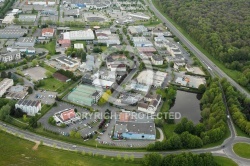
[[74, 146]]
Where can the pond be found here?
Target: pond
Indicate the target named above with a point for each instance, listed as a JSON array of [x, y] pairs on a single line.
[[188, 105]]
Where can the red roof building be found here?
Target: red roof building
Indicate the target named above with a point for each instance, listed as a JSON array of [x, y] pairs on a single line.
[[64, 42], [67, 115], [48, 32]]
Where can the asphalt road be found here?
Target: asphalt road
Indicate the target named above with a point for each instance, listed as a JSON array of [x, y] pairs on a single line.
[[196, 51]]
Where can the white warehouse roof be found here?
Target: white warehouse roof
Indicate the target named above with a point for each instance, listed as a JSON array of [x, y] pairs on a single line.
[[79, 35]]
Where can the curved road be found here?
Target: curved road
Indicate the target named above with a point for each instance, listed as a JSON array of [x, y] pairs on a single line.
[[218, 151], [196, 51]]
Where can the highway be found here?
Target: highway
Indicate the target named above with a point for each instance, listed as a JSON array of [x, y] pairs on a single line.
[[194, 50]]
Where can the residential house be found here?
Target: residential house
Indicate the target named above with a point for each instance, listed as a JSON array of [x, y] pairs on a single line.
[[5, 84], [157, 60], [10, 56], [48, 32]]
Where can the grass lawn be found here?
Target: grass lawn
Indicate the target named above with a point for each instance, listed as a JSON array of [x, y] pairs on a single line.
[[158, 135], [224, 161], [51, 47], [168, 130], [231, 73], [19, 152], [242, 150], [239, 132], [49, 68], [52, 84]]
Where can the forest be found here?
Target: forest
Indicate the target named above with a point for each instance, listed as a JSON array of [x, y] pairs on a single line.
[[221, 27]]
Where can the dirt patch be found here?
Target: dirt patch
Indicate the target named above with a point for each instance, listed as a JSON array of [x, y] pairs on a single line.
[[36, 146]]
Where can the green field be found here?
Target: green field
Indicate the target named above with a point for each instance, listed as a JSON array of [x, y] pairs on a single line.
[[52, 84], [168, 130], [51, 47], [17, 151], [223, 161], [242, 150]]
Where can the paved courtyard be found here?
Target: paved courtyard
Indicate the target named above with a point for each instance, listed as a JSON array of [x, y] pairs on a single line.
[[35, 73]]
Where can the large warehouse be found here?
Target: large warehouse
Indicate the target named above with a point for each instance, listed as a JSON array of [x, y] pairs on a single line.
[[79, 35], [85, 95]]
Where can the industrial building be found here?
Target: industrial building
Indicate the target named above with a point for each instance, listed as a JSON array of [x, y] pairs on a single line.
[[26, 42], [85, 95], [68, 62], [27, 18], [12, 32], [79, 35], [8, 19], [152, 78]]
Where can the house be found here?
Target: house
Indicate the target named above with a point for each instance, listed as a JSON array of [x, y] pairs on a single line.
[[149, 104], [5, 84], [10, 56], [116, 62], [31, 107], [177, 65], [64, 43], [26, 42], [135, 130], [48, 32], [157, 60], [66, 116]]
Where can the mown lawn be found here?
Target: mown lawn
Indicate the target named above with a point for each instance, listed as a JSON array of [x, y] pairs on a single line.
[[52, 84], [16, 151], [223, 161], [242, 150], [50, 46]]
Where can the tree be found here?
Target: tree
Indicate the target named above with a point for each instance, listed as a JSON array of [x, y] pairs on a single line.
[[78, 135], [52, 121], [9, 74], [33, 122], [152, 159], [201, 88], [48, 74], [4, 74], [171, 64], [72, 133], [30, 90], [5, 113], [48, 56], [34, 62]]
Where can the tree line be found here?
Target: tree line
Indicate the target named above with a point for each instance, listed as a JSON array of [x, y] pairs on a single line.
[[212, 127], [238, 105], [221, 27], [7, 5], [183, 159]]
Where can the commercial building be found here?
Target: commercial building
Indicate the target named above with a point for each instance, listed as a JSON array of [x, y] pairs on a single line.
[[38, 2], [4, 85], [102, 83], [140, 16], [27, 18], [135, 130], [10, 56], [157, 60], [85, 95], [26, 42], [149, 104], [64, 43], [129, 98], [48, 32], [141, 42], [151, 78], [146, 49], [78, 46], [66, 116], [89, 65], [12, 32], [79, 35], [31, 107], [135, 30], [140, 87], [68, 62]]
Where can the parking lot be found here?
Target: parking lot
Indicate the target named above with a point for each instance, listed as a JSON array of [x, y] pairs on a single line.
[[46, 97], [35, 73]]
